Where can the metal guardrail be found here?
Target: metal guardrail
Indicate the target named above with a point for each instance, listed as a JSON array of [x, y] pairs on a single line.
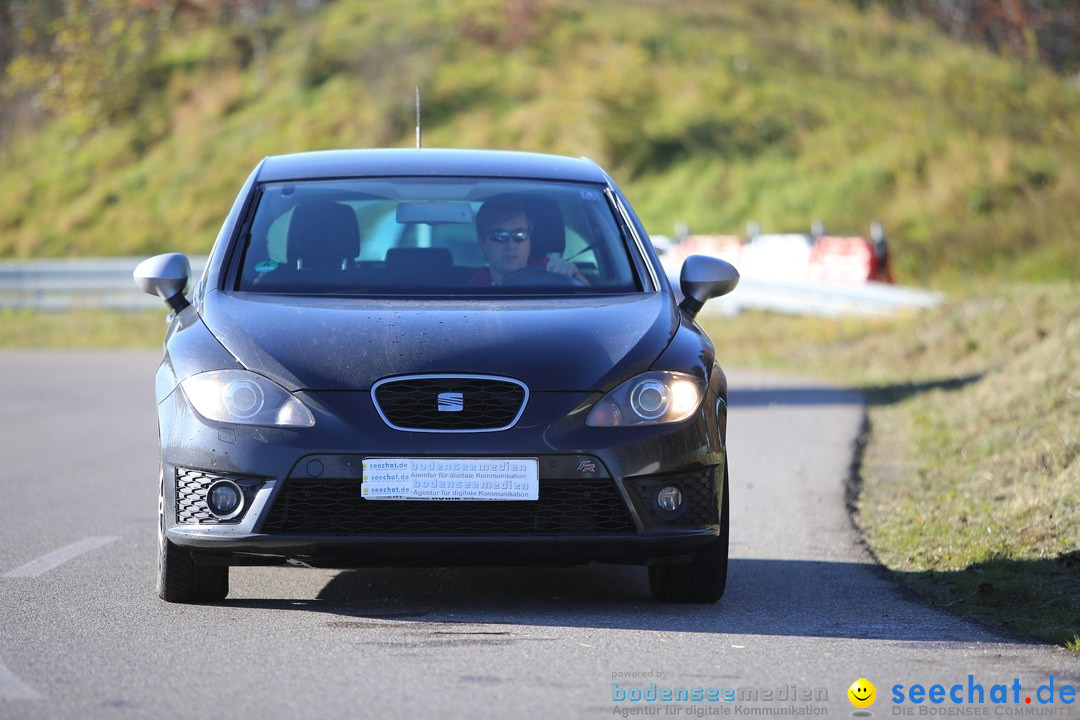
[[56, 285]]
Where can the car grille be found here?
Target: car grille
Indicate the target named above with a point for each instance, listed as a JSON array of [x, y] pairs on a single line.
[[334, 507], [450, 404], [191, 486], [699, 488]]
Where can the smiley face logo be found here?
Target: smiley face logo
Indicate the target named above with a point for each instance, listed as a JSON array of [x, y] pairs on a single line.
[[862, 693]]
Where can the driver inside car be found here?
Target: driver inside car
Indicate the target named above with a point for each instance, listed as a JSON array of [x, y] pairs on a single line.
[[504, 231]]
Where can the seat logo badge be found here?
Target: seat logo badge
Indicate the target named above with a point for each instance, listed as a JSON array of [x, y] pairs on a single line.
[[451, 402]]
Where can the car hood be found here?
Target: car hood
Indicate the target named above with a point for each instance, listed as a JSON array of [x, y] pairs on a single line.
[[567, 344]]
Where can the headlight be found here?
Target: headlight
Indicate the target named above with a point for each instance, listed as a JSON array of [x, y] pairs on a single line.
[[242, 397], [649, 399]]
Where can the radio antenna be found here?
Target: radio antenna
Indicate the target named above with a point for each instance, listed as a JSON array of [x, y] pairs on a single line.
[[418, 144]]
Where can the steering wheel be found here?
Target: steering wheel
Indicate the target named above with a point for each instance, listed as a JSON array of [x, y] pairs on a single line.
[[538, 276]]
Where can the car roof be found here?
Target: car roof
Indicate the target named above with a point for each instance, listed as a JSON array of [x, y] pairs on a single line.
[[428, 162]]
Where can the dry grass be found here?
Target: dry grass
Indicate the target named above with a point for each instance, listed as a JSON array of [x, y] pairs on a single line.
[[970, 487]]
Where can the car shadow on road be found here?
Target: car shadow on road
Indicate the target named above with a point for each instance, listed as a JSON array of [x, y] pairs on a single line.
[[794, 598]]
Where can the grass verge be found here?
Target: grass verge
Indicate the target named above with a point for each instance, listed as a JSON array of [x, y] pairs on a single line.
[[970, 485], [88, 328]]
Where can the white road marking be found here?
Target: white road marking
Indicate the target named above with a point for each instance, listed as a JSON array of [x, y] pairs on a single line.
[[45, 563], [12, 688]]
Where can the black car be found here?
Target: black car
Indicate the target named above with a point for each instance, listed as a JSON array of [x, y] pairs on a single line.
[[438, 357]]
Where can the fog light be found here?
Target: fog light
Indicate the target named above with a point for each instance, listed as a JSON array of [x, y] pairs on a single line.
[[669, 499], [224, 499]]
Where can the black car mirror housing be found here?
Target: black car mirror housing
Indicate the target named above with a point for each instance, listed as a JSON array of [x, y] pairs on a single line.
[[703, 278]]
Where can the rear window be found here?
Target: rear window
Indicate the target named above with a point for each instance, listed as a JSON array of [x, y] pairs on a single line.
[[435, 236]]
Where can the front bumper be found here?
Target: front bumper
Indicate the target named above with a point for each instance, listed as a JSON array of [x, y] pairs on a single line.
[[324, 520], [388, 550], [303, 501]]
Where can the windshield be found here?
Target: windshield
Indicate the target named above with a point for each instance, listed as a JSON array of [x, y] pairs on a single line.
[[426, 236]]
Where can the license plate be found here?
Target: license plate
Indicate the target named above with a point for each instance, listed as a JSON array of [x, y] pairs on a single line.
[[450, 479]]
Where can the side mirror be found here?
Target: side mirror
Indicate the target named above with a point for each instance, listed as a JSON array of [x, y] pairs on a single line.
[[167, 277], [703, 278]]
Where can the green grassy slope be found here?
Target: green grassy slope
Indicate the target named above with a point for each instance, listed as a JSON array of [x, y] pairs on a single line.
[[709, 113]]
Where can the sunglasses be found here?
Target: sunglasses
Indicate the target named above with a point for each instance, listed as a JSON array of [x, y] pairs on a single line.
[[504, 236]]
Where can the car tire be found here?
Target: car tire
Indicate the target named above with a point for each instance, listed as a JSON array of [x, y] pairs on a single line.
[[179, 578], [704, 578]]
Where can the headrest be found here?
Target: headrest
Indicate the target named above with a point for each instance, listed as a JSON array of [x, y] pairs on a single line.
[[323, 235], [549, 231]]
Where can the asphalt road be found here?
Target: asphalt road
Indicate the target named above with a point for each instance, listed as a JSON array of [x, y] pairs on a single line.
[[82, 634]]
